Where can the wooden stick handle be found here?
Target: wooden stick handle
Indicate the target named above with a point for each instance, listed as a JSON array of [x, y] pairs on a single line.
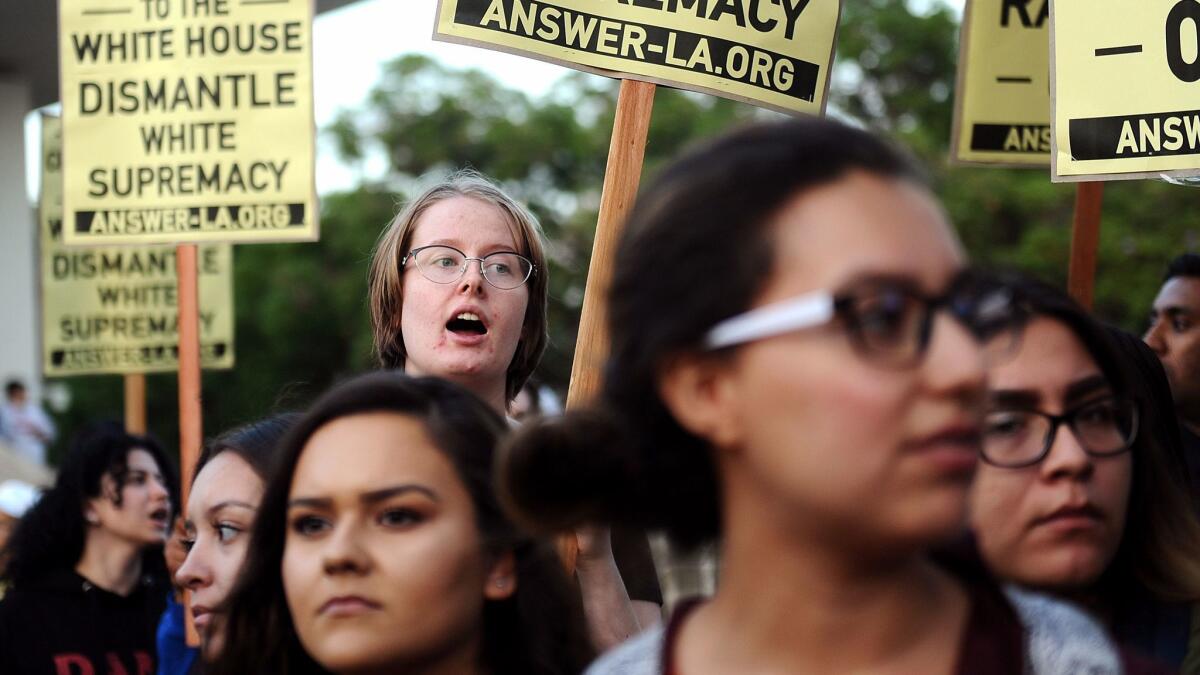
[[190, 425], [1085, 241], [135, 403], [621, 177], [626, 151]]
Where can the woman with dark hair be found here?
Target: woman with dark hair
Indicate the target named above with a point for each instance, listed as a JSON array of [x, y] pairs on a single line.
[[86, 567], [1081, 490], [458, 290], [380, 547], [797, 369], [226, 489]]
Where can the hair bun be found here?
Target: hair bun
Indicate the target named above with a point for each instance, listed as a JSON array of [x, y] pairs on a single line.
[[557, 473]]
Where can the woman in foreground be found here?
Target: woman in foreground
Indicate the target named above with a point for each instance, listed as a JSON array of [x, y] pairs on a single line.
[[798, 370]]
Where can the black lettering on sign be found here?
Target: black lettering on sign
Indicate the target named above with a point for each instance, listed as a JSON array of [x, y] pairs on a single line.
[[155, 355], [1128, 136], [1011, 138], [763, 15], [1021, 9], [190, 219], [644, 43], [1187, 71]]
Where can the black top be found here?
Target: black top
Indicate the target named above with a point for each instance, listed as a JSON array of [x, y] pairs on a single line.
[[62, 624]]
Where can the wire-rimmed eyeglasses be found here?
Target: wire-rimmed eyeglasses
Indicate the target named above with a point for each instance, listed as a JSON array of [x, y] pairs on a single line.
[[1016, 437], [443, 264], [889, 319]]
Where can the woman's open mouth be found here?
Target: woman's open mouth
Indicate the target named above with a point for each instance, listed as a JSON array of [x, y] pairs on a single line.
[[161, 516], [466, 323]]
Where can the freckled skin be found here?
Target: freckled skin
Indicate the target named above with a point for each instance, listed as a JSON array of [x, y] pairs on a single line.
[[477, 229]]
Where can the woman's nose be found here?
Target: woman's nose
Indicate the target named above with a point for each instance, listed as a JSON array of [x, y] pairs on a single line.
[[1066, 457], [954, 363], [193, 573]]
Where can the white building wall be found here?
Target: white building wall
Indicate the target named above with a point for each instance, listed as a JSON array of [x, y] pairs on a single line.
[[18, 250]]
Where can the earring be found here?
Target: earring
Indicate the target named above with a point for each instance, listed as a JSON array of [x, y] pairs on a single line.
[[500, 583], [93, 519]]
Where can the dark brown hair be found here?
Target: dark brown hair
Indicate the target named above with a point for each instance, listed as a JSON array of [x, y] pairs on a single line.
[[254, 442]]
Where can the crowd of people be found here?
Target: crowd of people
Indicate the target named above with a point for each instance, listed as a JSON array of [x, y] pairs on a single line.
[[906, 464]]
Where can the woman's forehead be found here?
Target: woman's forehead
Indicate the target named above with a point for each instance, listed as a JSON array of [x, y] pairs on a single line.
[[1049, 360], [141, 460], [863, 225], [466, 222]]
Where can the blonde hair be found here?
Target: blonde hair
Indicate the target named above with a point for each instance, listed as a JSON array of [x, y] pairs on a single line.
[[385, 279]]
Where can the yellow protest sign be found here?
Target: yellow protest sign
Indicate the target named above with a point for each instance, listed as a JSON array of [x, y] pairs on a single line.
[[1126, 87], [773, 53], [1002, 102], [113, 309], [187, 121]]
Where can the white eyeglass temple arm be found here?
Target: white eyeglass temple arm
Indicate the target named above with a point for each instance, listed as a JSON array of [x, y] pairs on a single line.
[[805, 311]]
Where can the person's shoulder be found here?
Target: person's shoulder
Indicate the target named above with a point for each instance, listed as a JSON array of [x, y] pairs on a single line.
[[640, 655], [1062, 639]]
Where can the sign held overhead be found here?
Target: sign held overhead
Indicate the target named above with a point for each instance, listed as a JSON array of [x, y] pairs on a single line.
[[1126, 84], [113, 309], [773, 53], [187, 121], [1002, 101]]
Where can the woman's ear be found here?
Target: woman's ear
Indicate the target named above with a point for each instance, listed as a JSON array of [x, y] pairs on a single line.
[[501, 580], [700, 392]]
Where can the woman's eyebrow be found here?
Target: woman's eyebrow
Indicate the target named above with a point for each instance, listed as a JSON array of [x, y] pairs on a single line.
[[376, 496], [1014, 398], [229, 503], [310, 503], [455, 244], [1086, 386], [371, 497]]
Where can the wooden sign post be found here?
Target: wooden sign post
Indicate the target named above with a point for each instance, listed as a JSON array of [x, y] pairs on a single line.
[[135, 403], [1085, 241], [622, 175], [190, 422], [623, 172]]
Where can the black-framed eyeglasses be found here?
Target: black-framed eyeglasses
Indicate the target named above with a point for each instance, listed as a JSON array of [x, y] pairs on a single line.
[[889, 320], [1015, 438], [443, 264]]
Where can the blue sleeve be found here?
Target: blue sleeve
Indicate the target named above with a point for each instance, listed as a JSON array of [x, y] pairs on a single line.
[[175, 657]]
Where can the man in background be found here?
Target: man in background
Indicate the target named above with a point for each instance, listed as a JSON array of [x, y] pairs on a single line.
[[1174, 335], [25, 427]]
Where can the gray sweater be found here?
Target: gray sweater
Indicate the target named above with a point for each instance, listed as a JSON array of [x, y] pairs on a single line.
[[1060, 640]]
